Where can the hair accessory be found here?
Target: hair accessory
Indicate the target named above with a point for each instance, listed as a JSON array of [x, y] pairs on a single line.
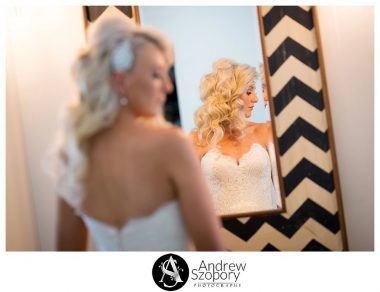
[[122, 56]]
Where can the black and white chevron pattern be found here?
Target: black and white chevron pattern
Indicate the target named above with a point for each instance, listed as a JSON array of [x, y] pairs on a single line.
[[311, 221]]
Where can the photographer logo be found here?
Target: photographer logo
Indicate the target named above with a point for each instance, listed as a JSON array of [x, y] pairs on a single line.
[[170, 272]]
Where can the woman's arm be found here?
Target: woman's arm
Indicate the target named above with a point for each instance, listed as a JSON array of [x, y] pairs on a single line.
[[195, 200], [71, 230], [272, 157], [275, 178]]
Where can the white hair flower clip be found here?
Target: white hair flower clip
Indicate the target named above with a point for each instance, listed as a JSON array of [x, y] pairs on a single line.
[[122, 56]]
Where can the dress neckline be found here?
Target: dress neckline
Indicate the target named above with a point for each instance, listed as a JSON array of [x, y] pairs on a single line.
[[236, 160], [131, 220]]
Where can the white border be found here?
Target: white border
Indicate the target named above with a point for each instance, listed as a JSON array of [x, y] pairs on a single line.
[[121, 271]]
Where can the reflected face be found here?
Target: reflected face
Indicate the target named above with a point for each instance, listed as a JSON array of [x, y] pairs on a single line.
[[147, 85], [250, 99]]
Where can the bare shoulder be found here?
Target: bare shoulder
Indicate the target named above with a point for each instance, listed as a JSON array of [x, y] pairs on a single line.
[[259, 127], [268, 131], [171, 134], [178, 138], [173, 141], [267, 126], [263, 130]]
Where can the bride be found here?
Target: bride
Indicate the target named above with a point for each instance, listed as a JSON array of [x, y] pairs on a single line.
[[122, 173], [237, 156]]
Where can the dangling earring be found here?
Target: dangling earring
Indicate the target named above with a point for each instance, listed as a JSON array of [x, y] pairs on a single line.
[[123, 101]]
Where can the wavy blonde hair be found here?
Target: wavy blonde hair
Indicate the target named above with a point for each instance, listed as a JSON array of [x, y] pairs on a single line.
[[222, 109], [98, 105]]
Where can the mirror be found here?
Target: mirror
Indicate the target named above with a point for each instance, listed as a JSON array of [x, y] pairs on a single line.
[[241, 169]]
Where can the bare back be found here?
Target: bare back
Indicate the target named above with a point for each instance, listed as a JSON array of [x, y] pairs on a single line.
[[127, 175]]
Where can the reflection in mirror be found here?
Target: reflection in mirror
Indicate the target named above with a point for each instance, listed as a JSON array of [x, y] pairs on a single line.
[[223, 102]]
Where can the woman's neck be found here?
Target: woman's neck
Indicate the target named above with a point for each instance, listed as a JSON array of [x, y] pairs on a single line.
[[128, 117], [125, 117]]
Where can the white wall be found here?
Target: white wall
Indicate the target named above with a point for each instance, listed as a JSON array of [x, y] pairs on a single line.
[[43, 43], [202, 35], [20, 220], [347, 39]]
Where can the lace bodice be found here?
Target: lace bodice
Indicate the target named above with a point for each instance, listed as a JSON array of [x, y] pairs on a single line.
[[162, 230], [240, 186]]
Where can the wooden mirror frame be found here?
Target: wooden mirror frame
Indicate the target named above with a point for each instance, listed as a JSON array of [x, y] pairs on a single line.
[[300, 112]]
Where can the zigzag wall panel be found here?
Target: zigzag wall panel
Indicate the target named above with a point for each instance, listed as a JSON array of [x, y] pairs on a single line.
[[313, 220]]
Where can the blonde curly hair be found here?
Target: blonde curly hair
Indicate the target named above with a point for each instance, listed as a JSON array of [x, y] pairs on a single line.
[[222, 109], [99, 103]]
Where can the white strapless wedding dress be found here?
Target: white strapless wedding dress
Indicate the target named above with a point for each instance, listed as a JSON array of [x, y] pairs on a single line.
[[242, 186], [164, 230]]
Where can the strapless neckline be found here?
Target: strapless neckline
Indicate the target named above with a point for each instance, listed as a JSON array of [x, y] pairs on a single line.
[[239, 186], [164, 229], [237, 161], [136, 220]]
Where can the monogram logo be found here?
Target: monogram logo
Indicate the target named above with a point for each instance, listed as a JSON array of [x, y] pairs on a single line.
[[173, 275], [170, 272]]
